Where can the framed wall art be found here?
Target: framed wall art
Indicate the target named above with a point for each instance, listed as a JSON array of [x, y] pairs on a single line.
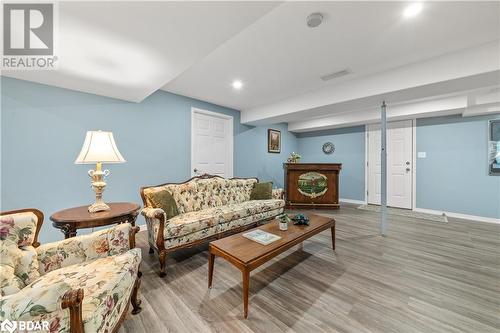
[[273, 141]]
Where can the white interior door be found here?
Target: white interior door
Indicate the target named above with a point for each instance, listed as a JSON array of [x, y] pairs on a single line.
[[211, 143], [399, 168]]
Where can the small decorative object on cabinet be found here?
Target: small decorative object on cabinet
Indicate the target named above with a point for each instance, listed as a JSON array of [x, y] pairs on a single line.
[[99, 147], [273, 141], [328, 148], [69, 220], [294, 158], [312, 185]]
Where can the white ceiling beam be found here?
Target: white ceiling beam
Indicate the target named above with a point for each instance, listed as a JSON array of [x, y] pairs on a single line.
[[421, 109], [348, 95], [482, 109]]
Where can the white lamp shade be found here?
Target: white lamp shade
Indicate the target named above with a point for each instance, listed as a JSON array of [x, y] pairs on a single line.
[[99, 146]]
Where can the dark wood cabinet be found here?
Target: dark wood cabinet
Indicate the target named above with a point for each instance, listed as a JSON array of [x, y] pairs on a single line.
[[312, 185]]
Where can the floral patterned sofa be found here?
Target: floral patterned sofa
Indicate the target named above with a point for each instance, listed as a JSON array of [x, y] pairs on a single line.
[[81, 284], [209, 207]]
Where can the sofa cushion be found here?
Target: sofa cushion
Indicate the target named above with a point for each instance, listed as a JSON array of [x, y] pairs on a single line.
[[161, 198], [223, 227], [106, 282], [190, 222], [99, 244], [199, 194], [18, 267], [9, 259], [262, 191], [185, 224], [19, 228], [250, 219]]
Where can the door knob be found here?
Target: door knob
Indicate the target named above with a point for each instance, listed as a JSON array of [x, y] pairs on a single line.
[[407, 169], [407, 163]]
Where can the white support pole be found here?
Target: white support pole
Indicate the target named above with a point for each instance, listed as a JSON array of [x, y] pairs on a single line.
[[383, 171]]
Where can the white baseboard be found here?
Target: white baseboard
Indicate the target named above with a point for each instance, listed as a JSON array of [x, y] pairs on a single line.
[[458, 215], [358, 202]]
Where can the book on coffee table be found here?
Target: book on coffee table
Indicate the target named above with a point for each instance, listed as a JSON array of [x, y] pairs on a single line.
[[261, 236]]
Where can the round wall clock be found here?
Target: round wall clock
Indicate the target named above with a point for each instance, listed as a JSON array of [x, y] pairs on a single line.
[[328, 148]]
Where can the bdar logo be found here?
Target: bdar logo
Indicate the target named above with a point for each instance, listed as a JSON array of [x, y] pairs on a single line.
[[28, 29], [8, 326]]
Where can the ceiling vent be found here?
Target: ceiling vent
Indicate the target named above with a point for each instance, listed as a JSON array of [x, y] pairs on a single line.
[[336, 75]]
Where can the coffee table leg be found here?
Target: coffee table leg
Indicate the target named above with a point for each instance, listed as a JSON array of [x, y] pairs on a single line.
[[246, 282], [211, 259], [333, 237]]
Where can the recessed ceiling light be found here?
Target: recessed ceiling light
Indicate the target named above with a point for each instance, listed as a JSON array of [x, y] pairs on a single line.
[[237, 84], [412, 10]]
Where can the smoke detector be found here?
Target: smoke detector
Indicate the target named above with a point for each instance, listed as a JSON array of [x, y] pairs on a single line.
[[314, 20]]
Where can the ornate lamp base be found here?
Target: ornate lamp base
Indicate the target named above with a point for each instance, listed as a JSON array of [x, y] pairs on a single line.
[[98, 185]]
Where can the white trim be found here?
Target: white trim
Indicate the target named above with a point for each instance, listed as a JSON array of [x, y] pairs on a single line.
[[143, 227], [358, 202], [231, 137], [459, 215]]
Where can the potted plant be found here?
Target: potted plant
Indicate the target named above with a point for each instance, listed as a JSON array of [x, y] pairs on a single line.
[[294, 158], [283, 220]]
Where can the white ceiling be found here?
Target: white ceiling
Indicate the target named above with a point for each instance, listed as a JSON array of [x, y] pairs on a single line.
[[279, 56], [128, 50]]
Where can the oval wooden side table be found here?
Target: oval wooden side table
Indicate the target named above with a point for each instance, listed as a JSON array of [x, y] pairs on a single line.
[[72, 219]]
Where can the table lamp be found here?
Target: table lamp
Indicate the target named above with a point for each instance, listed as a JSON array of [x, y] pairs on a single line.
[[99, 147]]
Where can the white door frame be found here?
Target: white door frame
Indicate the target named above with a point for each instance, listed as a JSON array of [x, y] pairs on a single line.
[[231, 137], [414, 162]]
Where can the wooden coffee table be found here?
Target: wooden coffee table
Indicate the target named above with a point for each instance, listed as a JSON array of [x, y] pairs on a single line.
[[247, 255]]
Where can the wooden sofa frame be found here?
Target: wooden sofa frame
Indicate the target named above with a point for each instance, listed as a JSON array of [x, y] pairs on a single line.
[[160, 241], [73, 299]]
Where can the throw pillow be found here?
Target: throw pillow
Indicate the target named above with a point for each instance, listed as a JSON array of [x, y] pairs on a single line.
[[262, 191], [164, 200]]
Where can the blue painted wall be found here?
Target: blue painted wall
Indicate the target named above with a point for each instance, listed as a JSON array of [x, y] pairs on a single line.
[[454, 175], [254, 160], [42, 131], [349, 150]]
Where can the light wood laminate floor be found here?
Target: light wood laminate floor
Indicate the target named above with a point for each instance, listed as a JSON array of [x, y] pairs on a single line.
[[424, 276]]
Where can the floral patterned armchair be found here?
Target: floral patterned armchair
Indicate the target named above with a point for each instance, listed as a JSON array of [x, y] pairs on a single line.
[[80, 284]]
